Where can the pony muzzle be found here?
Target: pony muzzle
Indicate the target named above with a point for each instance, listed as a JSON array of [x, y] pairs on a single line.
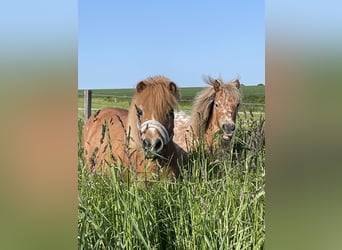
[[228, 130], [153, 147], [154, 137]]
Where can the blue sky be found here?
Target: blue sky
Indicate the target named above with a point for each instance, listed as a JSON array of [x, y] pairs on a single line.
[[123, 42]]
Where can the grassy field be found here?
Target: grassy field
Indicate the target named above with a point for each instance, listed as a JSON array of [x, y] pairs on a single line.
[[218, 203]]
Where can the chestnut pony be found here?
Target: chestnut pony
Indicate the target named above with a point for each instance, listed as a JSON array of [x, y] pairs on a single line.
[[214, 109], [139, 139]]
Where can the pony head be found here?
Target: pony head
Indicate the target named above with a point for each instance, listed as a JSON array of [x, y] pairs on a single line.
[[226, 101], [152, 112]]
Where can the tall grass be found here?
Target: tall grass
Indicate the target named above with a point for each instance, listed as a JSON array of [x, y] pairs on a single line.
[[218, 203]]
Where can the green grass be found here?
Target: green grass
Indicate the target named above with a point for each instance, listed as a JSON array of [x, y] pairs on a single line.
[[218, 203], [253, 94]]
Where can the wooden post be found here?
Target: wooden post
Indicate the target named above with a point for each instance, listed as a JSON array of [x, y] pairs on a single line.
[[87, 104]]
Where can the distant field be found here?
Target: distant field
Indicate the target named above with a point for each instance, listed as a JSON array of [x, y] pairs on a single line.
[[250, 93], [253, 98], [253, 94]]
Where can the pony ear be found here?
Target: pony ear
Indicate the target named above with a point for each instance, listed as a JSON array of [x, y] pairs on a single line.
[[174, 89], [216, 85], [236, 83], [140, 86]]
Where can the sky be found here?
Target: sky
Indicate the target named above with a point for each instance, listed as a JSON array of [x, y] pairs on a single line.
[[123, 42]]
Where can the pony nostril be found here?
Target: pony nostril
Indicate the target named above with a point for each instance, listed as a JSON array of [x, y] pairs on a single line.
[[158, 145], [146, 143], [153, 146], [230, 127]]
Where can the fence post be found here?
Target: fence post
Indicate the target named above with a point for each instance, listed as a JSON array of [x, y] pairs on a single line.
[[87, 104]]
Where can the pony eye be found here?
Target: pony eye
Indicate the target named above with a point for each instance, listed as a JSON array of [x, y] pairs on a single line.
[[171, 115], [139, 112], [216, 105]]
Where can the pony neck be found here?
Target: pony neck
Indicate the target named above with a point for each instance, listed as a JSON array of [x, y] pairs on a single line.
[[203, 130], [194, 128], [210, 133], [132, 129]]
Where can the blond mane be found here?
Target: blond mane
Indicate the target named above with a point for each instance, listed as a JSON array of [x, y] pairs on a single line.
[[157, 96]]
